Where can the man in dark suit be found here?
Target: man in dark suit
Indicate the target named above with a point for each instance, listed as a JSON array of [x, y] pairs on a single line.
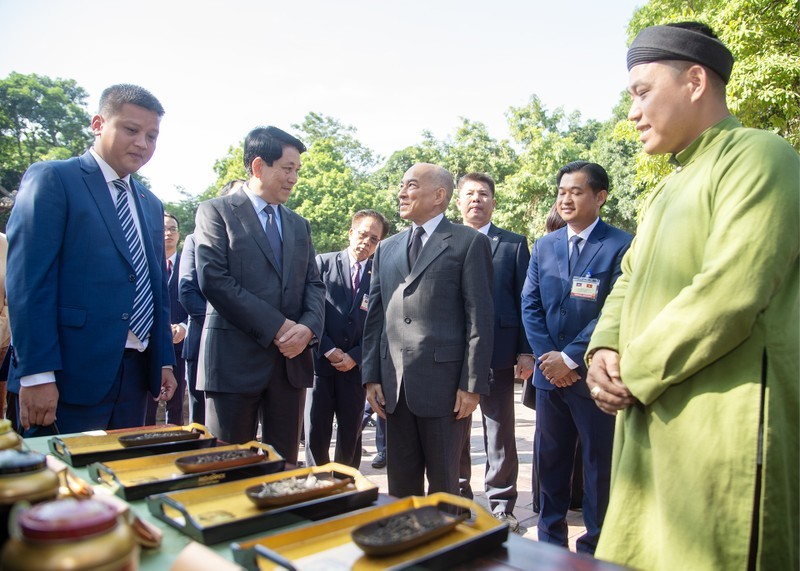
[[510, 257], [266, 303], [571, 272], [179, 321], [337, 363], [193, 300], [87, 291], [428, 335]]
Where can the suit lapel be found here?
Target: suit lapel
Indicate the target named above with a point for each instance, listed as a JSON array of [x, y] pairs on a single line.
[[289, 226], [243, 209], [98, 189], [342, 288], [436, 244], [399, 258], [590, 249]]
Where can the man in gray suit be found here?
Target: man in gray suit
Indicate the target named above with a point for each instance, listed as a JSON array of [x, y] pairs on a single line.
[[510, 257], [428, 336], [256, 267]]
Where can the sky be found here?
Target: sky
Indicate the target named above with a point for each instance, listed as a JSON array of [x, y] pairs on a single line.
[[390, 69]]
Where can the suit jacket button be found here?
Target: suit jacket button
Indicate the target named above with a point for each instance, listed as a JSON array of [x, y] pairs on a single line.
[[407, 320], [132, 278], [563, 311], [125, 317], [560, 337]]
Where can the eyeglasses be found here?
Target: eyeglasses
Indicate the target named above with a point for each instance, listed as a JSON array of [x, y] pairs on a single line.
[[171, 230]]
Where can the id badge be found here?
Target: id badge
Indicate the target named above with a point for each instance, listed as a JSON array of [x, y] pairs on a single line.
[[584, 288], [364, 302]]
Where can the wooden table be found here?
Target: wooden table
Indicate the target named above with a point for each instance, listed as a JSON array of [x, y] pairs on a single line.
[[517, 553]]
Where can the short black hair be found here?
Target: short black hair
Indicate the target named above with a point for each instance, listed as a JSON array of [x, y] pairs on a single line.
[[175, 218], [596, 176], [370, 213], [477, 177], [268, 143], [113, 98]]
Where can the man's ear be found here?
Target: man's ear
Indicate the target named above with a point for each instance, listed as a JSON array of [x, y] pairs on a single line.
[[697, 81], [97, 125]]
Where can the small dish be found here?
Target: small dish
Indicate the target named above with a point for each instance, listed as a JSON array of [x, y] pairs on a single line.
[[295, 490], [404, 530], [158, 437], [220, 460]]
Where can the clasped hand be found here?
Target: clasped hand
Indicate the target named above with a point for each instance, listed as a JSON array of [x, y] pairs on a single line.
[[292, 338]]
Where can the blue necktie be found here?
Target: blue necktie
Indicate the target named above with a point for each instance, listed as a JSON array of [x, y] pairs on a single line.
[[142, 313], [273, 236], [573, 257]]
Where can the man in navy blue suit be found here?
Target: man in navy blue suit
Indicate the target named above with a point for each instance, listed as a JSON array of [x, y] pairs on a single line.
[[571, 272], [510, 256], [179, 320], [337, 361], [87, 289]]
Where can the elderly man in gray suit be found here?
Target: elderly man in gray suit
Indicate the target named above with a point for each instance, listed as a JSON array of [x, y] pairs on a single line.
[[256, 266], [428, 336]]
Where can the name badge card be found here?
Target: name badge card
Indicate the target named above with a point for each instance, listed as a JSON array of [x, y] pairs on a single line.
[[364, 302], [585, 288]]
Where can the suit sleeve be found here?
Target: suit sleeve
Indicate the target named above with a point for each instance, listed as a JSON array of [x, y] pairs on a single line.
[[520, 272], [313, 315], [373, 325], [534, 317], [189, 293], [325, 342], [35, 233], [247, 312], [476, 284]]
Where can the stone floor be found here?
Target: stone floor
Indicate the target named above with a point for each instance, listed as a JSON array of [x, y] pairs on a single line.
[[525, 422]]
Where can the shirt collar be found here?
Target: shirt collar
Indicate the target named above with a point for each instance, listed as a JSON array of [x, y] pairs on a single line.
[[485, 229], [108, 173], [585, 233], [430, 225]]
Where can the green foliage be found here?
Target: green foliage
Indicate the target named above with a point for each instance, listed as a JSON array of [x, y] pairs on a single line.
[[764, 37], [40, 118]]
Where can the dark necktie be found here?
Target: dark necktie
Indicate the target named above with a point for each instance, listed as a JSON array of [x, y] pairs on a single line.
[[573, 257], [273, 236], [416, 246], [169, 270], [356, 277], [142, 312]]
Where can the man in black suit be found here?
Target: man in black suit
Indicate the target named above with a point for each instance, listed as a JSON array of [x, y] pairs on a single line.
[[510, 256], [178, 321], [193, 300], [337, 364], [429, 335], [266, 303]]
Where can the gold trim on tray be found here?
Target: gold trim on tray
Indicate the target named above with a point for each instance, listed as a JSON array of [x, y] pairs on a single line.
[[136, 478], [224, 512], [87, 448], [329, 544]]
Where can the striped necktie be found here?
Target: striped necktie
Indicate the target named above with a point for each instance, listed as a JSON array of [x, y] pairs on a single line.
[[141, 320]]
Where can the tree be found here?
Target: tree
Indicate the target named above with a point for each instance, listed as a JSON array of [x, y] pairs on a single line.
[[549, 140], [40, 118], [334, 180], [764, 37]]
